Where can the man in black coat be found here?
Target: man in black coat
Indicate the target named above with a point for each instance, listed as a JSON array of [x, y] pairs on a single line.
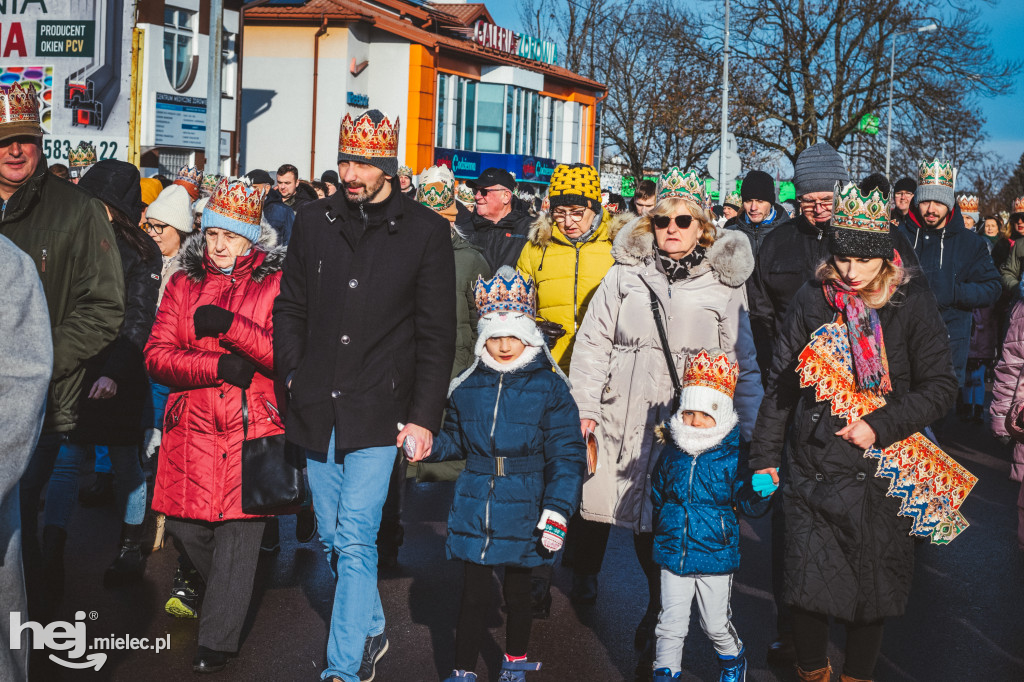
[[364, 339], [500, 225]]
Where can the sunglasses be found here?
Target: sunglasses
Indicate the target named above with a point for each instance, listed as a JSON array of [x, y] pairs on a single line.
[[482, 191], [663, 221]]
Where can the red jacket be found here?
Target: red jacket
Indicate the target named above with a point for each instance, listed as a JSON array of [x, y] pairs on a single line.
[[199, 474]]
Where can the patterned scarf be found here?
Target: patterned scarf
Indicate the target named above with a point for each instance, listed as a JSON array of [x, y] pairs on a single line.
[[680, 269], [870, 365]]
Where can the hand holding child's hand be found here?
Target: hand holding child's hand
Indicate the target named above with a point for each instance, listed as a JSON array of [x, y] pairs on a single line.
[[553, 527], [764, 485]]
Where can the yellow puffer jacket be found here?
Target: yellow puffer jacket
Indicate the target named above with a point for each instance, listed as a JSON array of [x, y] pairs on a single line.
[[567, 274]]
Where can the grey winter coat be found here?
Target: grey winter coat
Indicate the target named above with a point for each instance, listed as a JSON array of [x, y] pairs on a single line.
[[619, 376]]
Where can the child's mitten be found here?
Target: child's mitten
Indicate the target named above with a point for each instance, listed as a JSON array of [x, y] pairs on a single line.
[[763, 484], [553, 527]]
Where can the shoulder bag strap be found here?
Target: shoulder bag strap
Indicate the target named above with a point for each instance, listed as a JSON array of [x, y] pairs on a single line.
[[245, 416], [672, 373]]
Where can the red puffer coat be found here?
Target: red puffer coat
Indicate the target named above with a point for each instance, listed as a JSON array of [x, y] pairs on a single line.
[[200, 471]]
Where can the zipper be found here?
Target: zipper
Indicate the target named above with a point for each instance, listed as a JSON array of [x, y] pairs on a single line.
[[725, 538], [686, 514], [575, 292], [170, 412], [490, 492], [43, 261], [494, 422]]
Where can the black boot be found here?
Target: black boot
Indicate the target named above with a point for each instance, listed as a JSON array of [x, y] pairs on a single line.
[[127, 566], [100, 493], [390, 537], [54, 538], [584, 589]]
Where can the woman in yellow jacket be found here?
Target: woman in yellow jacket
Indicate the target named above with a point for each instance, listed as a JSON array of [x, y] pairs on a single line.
[[569, 252]]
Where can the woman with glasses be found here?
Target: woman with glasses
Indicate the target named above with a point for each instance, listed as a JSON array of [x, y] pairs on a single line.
[[169, 222], [670, 260]]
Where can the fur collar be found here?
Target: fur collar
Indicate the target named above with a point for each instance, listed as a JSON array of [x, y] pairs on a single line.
[[192, 251], [729, 258], [542, 229], [526, 357], [694, 441]]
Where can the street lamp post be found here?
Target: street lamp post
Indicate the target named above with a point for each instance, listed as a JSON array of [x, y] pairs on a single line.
[[892, 71], [725, 112]]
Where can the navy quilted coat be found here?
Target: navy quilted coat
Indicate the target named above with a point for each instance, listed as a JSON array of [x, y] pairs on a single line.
[[695, 497], [520, 435]]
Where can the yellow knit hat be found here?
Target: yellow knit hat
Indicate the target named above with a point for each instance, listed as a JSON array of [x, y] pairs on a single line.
[[575, 185]]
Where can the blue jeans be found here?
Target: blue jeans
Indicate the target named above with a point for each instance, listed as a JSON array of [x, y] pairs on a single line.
[[129, 483], [40, 466], [349, 488]]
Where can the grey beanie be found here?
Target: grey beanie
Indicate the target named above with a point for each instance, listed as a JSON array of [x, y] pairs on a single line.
[[941, 193], [818, 169]]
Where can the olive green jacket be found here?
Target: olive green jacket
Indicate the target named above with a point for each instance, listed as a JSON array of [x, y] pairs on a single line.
[[67, 234]]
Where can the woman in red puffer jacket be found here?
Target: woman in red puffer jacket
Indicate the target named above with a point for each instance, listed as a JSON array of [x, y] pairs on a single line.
[[212, 344]]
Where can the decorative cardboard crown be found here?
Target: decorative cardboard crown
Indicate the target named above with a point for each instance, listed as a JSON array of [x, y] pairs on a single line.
[[855, 211], [936, 173], [969, 203], [405, 170], [18, 104], [688, 185], [733, 199], [507, 292], [712, 372], [82, 156], [465, 195], [1018, 205], [238, 201], [191, 175], [437, 188], [360, 137], [210, 182]]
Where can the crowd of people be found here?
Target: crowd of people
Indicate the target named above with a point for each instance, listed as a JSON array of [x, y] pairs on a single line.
[[660, 367]]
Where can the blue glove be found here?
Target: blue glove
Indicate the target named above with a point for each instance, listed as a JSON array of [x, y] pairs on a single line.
[[763, 484], [1020, 289]]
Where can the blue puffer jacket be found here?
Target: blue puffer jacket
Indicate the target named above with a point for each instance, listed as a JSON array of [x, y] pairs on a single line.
[[695, 498], [520, 435]]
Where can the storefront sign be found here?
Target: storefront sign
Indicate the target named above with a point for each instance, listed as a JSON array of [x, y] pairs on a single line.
[[463, 164], [180, 121], [519, 44], [356, 100], [468, 165]]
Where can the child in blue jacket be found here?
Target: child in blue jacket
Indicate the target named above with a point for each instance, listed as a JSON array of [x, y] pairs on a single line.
[[513, 420], [697, 486]]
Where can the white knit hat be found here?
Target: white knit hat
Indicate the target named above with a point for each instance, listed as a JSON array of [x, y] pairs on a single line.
[[174, 207]]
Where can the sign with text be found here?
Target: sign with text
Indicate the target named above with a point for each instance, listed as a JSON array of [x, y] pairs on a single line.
[[65, 38], [519, 44], [180, 121], [467, 165]]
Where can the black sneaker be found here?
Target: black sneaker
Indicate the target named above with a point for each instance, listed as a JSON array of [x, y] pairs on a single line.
[[305, 525], [373, 649], [185, 591], [271, 542]]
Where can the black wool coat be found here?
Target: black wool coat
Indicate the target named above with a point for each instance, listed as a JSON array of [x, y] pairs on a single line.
[[364, 326], [848, 552], [500, 242]]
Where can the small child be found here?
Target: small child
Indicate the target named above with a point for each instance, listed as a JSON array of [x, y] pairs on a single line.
[[512, 418], [696, 532]]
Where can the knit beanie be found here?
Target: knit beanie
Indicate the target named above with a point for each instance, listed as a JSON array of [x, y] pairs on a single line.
[[575, 185], [875, 181], [506, 304], [818, 169], [236, 206], [437, 191], [371, 138], [709, 384], [905, 185], [173, 207], [860, 224], [758, 185], [935, 182], [150, 189], [115, 183], [969, 206]]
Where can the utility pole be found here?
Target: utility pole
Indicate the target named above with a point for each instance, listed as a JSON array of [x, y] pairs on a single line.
[[213, 88], [723, 187]]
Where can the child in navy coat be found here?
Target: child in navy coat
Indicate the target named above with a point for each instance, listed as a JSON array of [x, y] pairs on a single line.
[[512, 418], [697, 486]]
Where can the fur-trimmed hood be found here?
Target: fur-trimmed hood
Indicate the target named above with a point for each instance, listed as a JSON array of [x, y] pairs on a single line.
[[543, 227], [194, 248], [729, 258]]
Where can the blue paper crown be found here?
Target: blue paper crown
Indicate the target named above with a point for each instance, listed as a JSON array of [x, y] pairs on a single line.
[[507, 292]]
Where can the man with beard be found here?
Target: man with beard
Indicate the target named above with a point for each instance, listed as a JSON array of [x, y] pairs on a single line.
[[500, 225], [364, 340], [954, 260]]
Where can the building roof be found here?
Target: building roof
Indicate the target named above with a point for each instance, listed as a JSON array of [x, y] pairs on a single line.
[[418, 23]]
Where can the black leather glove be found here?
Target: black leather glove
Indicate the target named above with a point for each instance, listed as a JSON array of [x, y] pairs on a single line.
[[552, 331], [211, 320], [235, 370]]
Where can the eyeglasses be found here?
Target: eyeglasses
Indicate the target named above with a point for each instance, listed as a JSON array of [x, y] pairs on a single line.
[[568, 216], [817, 204], [663, 221], [154, 228], [482, 191]]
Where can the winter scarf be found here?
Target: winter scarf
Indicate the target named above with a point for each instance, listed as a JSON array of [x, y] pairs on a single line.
[[680, 269], [769, 219], [870, 365]]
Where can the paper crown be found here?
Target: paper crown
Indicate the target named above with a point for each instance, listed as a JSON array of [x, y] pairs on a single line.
[[191, 175], [688, 185], [19, 104], [405, 170], [82, 156], [715, 372], [855, 211], [361, 137], [507, 292], [465, 194], [238, 201], [437, 188], [210, 182], [733, 199], [936, 173], [1018, 205], [969, 203]]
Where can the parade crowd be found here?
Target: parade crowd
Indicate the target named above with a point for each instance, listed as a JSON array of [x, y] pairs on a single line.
[[233, 349]]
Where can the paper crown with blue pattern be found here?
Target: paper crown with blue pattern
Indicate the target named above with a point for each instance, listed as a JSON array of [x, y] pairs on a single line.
[[507, 292]]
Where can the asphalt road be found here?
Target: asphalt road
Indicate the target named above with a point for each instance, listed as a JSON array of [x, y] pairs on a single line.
[[964, 620]]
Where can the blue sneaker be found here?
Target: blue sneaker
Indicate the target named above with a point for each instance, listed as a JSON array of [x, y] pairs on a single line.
[[515, 671], [664, 674], [460, 675], [734, 668]]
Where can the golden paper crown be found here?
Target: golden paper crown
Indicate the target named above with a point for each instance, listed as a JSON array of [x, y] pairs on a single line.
[[1018, 205], [81, 156], [712, 372], [855, 211], [238, 201], [507, 292], [688, 185], [191, 175], [18, 104], [936, 173], [969, 203], [361, 137]]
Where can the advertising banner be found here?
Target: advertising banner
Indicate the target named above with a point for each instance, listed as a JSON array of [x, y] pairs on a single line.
[[77, 55], [468, 165]]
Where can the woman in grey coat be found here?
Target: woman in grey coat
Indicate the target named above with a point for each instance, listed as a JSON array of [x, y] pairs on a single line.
[[620, 376]]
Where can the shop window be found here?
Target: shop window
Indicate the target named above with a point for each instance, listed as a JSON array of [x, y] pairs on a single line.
[[469, 119], [442, 100], [179, 47], [490, 112]]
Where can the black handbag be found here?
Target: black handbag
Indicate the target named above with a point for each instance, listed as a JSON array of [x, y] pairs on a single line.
[[677, 387], [272, 479]]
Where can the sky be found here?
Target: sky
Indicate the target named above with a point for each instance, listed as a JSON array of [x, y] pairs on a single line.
[[1005, 114]]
